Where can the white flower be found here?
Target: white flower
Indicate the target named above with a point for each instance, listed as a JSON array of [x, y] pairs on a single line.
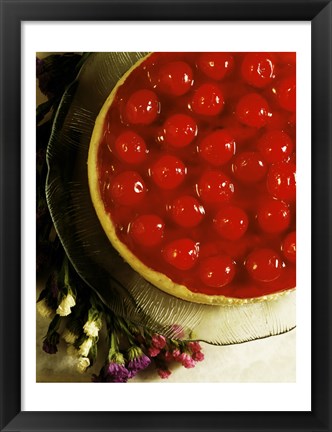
[[65, 306], [44, 310], [91, 328], [82, 364], [69, 336], [85, 347], [72, 351]]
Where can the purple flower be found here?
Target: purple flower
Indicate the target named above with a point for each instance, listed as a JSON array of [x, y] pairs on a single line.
[[137, 361], [115, 372], [50, 343]]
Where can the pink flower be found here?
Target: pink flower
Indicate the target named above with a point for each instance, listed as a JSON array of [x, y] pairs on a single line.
[[164, 373], [158, 341], [176, 354], [186, 360], [198, 356], [194, 347], [153, 351]]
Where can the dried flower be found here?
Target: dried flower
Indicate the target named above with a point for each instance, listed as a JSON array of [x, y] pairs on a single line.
[[158, 341], [137, 361], [69, 336], [92, 328], [194, 347], [82, 364], [50, 343], [85, 347], [66, 304], [153, 351], [186, 360], [44, 309], [198, 356], [163, 373], [116, 372]]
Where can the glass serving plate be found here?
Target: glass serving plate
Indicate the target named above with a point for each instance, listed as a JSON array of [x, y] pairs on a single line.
[[92, 255]]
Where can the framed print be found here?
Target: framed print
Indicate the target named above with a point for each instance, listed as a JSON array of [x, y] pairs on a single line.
[[286, 387]]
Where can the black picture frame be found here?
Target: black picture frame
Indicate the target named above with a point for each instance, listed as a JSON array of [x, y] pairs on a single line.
[[319, 13]]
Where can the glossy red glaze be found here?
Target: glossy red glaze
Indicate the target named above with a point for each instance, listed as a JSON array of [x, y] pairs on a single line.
[[191, 197]]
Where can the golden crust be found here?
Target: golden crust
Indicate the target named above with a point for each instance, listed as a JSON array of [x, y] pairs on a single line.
[[158, 279]]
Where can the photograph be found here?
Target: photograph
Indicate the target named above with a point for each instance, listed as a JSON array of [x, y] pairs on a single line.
[[166, 216]]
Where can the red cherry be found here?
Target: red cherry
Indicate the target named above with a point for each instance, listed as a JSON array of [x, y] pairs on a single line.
[[215, 187], [215, 65], [275, 146], [252, 110], [168, 172], [175, 78], [130, 147], [231, 222], [217, 271], [142, 107], [274, 216], [147, 230], [258, 69], [289, 247], [264, 265], [286, 93], [180, 130], [249, 167], [127, 188], [187, 211], [207, 100], [217, 148], [281, 181], [181, 253]]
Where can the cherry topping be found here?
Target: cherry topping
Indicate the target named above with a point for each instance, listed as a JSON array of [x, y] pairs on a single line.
[[207, 100], [217, 148], [187, 211], [231, 222], [249, 167], [286, 93], [215, 65], [175, 78], [217, 271], [215, 187], [264, 265], [289, 247], [142, 107], [252, 110], [281, 181], [274, 216], [180, 130], [147, 230], [275, 146], [168, 172], [181, 253], [130, 147], [127, 188], [258, 69]]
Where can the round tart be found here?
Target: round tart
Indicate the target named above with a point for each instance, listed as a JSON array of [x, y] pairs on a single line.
[[191, 171]]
